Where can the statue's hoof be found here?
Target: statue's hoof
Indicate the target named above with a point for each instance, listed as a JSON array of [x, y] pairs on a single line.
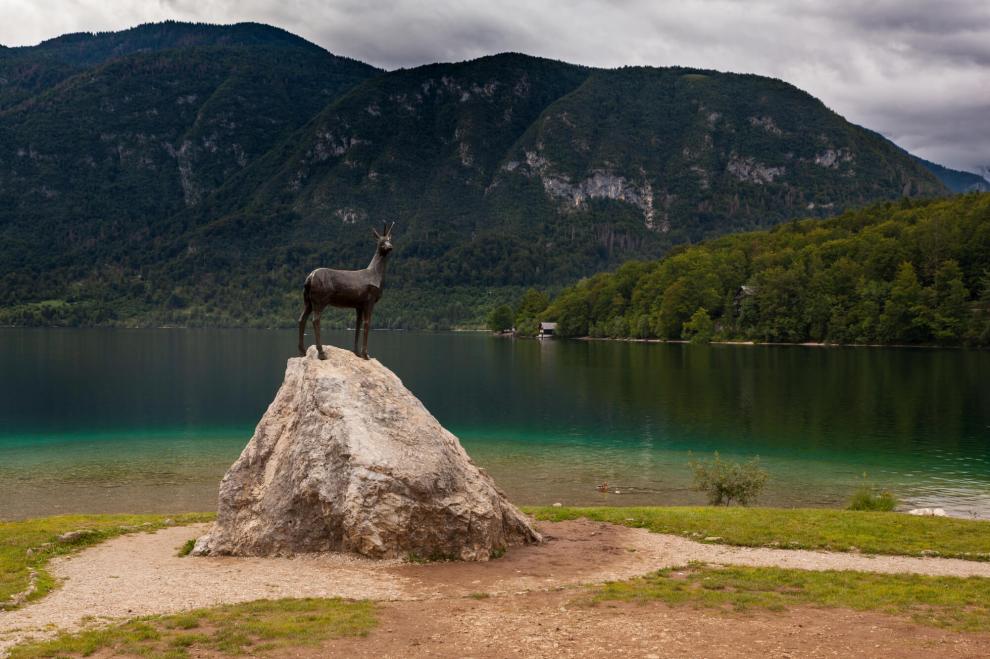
[[364, 356], [323, 355], [302, 353]]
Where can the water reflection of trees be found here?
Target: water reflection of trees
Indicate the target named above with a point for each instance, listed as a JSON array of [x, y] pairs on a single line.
[[761, 397]]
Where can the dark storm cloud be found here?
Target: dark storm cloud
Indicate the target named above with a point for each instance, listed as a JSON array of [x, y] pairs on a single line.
[[918, 72]]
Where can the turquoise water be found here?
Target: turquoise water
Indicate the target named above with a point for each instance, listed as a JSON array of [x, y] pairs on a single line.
[[148, 420]]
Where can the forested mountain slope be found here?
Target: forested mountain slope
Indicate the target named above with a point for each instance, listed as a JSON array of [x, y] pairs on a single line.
[[910, 272], [194, 174], [27, 70]]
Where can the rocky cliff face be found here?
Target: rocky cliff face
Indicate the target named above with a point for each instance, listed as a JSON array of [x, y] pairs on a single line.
[[347, 459]]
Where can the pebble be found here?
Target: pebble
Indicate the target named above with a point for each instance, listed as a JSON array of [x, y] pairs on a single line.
[[928, 512], [72, 536]]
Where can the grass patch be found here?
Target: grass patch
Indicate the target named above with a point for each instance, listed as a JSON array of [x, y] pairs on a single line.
[[961, 604], [236, 629], [865, 498], [801, 528], [187, 547], [26, 546]]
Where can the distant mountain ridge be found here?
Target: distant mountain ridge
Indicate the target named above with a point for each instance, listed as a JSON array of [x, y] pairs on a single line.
[[956, 180], [27, 70], [151, 167]]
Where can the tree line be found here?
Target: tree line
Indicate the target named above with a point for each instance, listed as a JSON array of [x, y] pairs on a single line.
[[908, 272]]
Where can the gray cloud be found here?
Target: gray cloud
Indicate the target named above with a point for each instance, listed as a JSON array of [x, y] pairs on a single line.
[[916, 71]]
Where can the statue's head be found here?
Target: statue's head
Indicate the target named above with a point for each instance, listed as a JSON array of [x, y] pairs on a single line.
[[384, 239]]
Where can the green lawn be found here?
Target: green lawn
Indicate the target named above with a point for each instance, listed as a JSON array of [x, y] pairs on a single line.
[[961, 604], [801, 528], [27, 545], [235, 629]]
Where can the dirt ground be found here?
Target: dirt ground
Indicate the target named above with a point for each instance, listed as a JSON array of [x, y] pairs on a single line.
[[427, 610], [541, 624]]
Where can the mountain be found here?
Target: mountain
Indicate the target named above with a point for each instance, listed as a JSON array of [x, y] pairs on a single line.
[[28, 70], [956, 180], [909, 272], [92, 165], [193, 174]]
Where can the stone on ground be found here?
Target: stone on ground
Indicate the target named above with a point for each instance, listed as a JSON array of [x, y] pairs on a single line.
[[347, 459]]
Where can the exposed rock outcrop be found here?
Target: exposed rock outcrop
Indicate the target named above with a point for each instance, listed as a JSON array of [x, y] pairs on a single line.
[[601, 184], [749, 170], [347, 459]]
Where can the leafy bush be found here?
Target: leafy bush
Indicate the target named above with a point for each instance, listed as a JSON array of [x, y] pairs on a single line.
[[500, 318], [532, 304], [866, 498], [527, 326], [700, 329], [725, 482]]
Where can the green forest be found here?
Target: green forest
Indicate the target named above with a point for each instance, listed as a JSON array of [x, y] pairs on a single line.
[[908, 272]]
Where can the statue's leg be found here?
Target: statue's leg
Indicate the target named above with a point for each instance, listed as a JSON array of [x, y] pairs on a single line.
[[316, 330], [367, 328], [357, 330], [302, 327]]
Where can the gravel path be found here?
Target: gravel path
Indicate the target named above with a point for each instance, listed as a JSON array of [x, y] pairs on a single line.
[[677, 550], [140, 574]]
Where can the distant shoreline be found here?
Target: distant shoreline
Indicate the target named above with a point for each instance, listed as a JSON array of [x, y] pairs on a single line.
[[468, 330], [807, 344]]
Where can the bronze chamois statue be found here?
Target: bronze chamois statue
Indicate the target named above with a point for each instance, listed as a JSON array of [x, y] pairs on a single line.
[[350, 289]]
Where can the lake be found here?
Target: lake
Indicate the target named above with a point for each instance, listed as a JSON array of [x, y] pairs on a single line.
[[108, 420]]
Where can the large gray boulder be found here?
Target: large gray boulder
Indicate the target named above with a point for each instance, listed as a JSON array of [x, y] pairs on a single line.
[[347, 459]]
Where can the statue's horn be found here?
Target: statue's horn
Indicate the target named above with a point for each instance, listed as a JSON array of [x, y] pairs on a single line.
[[390, 227], [385, 228]]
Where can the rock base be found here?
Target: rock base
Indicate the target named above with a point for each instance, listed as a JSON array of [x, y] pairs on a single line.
[[346, 459]]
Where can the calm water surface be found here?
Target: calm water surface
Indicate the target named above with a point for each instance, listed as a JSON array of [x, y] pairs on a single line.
[[149, 420]]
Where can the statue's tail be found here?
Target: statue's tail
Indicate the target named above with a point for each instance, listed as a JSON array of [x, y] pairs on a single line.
[[306, 287]]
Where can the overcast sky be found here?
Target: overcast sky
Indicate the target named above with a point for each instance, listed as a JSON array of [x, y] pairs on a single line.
[[918, 72]]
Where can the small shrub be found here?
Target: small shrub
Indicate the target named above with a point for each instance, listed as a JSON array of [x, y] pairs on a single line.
[[866, 498], [725, 482], [527, 326], [187, 547], [500, 319], [700, 328]]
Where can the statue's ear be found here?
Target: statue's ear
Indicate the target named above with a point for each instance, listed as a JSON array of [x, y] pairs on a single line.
[[378, 236]]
